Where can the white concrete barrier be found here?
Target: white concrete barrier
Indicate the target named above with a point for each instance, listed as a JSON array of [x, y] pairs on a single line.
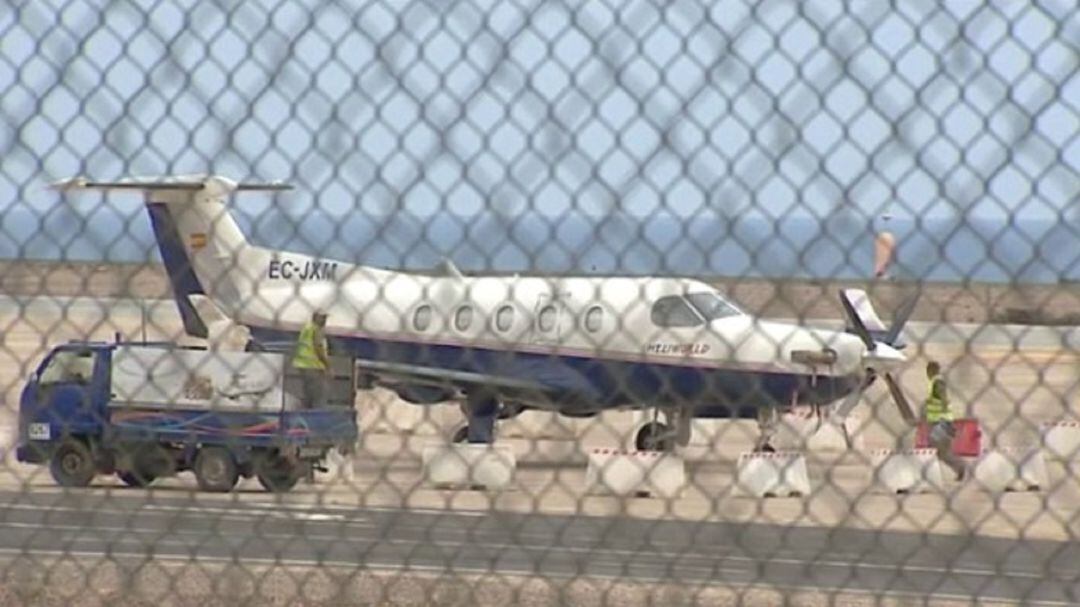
[[1012, 469], [612, 471], [1062, 440], [468, 465], [339, 466], [831, 436], [777, 474], [910, 471]]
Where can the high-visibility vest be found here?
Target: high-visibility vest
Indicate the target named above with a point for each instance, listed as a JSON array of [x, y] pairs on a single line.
[[305, 357], [937, 409]]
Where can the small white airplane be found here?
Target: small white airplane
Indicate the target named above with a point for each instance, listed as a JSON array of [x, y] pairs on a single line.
[[503, 344]]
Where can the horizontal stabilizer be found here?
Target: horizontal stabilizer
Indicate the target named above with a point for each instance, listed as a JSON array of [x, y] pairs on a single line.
[[183, 183]]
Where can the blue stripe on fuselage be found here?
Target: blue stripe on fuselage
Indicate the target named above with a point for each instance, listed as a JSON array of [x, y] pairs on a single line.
[[582, 383], [177, 266]]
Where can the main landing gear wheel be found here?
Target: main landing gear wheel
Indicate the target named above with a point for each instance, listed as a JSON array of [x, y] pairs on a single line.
[[72, 465], [135, 479], [148, 463], [655, 436], [461, 435], [277, 474]]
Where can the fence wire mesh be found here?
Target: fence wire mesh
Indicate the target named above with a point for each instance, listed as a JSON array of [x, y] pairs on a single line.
[[623, 302]]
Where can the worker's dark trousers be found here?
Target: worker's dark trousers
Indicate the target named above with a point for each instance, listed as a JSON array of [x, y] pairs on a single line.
[[314, 388], [941, 435]]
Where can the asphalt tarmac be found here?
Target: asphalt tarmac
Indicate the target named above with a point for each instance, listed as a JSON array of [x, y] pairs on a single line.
[[119, 523]]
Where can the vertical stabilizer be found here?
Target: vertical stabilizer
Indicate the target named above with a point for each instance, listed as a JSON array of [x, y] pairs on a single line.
[[204, 251]]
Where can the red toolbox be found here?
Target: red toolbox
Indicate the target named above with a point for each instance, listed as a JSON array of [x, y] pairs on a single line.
[[967, 442]]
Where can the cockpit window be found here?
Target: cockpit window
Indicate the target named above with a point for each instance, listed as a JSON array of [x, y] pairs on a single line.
[[712, 306], [674, 311]]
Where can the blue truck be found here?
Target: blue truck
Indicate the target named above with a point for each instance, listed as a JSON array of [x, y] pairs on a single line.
[[148, 411]]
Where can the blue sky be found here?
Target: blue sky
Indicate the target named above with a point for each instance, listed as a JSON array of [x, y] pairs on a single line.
[[415, 123]]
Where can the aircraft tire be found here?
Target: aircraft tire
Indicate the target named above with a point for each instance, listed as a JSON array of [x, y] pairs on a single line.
[[149, 462], [135, 479], [461, 435], [654, 436], [276, 474]]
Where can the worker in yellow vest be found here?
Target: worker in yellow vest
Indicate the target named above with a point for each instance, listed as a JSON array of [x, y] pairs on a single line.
[[312, 360], [940, 419]]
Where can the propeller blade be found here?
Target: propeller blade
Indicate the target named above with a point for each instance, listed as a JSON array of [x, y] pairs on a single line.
[[856, 322], [901, 318], [900, 400], [853, 399]]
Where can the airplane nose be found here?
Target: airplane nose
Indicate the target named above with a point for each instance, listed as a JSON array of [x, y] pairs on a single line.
[[883, 357]]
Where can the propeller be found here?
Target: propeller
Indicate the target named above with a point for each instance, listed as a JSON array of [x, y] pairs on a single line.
[[861, 331], [903, 313]]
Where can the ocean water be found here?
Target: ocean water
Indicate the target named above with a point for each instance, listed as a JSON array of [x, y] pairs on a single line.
[[943, 248]]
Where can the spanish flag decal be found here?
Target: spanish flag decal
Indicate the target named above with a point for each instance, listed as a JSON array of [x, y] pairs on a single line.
[[197, 241]]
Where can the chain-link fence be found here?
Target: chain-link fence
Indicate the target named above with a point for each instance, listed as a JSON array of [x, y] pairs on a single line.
[[539, 303]]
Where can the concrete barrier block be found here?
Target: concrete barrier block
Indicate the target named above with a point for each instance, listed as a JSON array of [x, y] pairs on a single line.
[[1012, 469], [468, 466], [612, 471], [777, 474], [910, 471], [834, 437], [339, 466], [1061, 440]]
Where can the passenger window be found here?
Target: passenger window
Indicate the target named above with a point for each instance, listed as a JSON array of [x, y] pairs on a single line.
[[463, 318], [422, 318], [594, 319], [546, 320], [504, 318]]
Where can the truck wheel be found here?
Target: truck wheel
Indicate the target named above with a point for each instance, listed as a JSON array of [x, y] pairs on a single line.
[[72, 465], [215, 469], [276, 474]]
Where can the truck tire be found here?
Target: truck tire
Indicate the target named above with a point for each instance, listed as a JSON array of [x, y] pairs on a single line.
[[277, 474], [135, 479], [72, 464], [215, 469]]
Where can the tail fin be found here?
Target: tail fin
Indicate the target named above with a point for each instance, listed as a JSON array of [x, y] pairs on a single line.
[[200, 243]]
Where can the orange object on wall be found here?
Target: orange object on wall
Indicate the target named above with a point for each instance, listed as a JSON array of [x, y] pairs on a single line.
[[967, 442]]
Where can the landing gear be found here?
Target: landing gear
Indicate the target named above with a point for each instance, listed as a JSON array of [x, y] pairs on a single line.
[[277, 474], [481, 410], [768, 419], [655, 436], [461, 435], [658, 436], [145, 463]]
